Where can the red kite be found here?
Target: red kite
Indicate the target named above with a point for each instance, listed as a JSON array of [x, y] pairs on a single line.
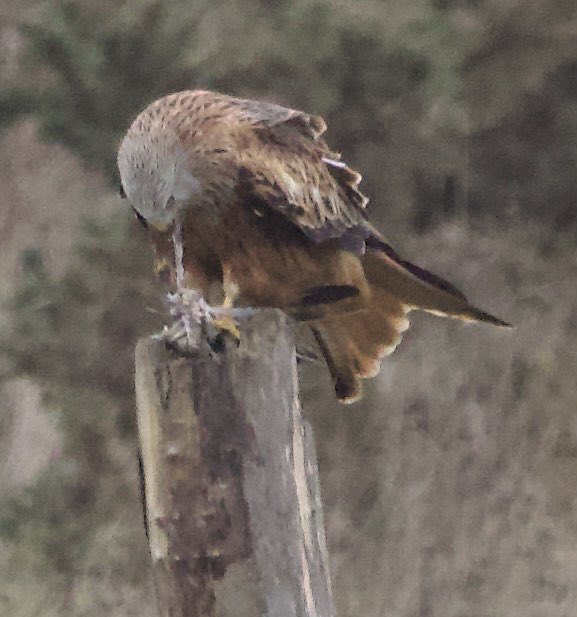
[[247, 204]]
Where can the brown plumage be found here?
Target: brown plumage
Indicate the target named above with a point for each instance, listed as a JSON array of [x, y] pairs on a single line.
[[272, 217]]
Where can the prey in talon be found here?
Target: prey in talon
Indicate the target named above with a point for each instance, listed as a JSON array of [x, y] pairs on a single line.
[[248, 206], [218, 323], [189, 304]]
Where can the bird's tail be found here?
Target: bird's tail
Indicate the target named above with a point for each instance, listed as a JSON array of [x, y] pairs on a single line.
[[353, 344], [419, 289]]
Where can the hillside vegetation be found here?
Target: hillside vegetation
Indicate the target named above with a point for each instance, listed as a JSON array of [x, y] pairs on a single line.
[[450, 489]]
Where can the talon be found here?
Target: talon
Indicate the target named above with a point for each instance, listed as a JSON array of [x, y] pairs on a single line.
[[227, 325], [188, 307]]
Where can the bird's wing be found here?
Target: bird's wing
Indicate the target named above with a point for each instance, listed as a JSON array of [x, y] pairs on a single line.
[[285, 165], [264, 115]]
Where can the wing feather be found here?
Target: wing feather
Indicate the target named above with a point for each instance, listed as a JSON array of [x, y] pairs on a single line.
[[285, 165], [280, 160]]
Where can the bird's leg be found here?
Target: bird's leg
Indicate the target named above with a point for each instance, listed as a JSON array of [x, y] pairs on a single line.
[[186, 305], [224, 314], [189, 306]]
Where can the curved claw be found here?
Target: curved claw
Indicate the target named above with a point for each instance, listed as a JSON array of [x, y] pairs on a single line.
[[226, 324], [188, 305]]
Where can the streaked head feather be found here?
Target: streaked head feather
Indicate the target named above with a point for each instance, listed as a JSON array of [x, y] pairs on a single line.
[[154, 172]]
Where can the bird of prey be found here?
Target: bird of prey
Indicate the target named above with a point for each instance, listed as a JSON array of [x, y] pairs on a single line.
[[246, 203]]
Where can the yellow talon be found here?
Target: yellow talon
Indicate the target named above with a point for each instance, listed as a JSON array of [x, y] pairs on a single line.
[[224, 323]]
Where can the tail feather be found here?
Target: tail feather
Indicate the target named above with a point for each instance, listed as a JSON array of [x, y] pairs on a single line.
[[341, 367], [353, 344], [472, 313], [420, 289]]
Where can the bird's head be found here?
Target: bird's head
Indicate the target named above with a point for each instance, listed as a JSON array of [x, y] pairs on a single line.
[[155, 176]]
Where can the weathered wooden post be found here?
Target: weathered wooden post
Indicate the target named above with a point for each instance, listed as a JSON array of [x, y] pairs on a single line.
[[233, 505]]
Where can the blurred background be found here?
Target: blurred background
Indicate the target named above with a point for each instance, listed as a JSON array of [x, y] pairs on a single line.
[[451, 490]]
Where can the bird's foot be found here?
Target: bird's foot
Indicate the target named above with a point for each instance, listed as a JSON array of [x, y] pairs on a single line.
[[226, 320], [219, 323], [226, 325]]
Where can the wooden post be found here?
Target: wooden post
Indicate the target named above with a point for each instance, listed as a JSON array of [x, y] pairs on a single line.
[[233, 506]]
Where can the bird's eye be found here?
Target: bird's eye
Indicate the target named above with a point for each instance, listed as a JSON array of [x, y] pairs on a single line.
[[121, 191], [140, 218], [170, 201]]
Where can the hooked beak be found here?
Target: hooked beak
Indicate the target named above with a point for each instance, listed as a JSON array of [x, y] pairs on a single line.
[[166, 224]]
